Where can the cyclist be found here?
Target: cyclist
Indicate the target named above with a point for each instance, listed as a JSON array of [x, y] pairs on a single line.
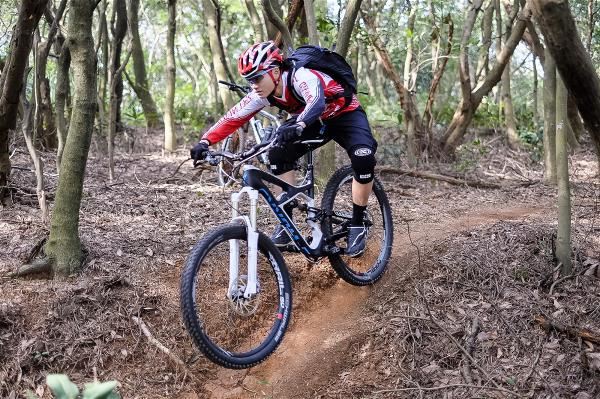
[[319, 108]]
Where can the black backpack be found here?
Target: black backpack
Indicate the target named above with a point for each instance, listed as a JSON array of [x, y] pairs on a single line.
[[326, 61]]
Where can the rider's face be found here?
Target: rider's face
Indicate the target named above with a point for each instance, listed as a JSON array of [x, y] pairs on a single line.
[[265, 84]]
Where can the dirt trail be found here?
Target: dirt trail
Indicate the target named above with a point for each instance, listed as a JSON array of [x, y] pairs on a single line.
[[313, 351]]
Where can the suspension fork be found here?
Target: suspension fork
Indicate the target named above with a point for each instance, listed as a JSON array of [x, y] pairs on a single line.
[[252, 239]]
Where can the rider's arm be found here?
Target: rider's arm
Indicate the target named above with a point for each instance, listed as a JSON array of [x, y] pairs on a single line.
[[235, 118], [310, 86]]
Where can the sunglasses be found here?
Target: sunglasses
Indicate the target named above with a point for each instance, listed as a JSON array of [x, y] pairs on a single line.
[[256, 79]]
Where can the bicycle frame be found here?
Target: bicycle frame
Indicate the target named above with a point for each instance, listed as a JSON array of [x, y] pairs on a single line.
[[253, 180]]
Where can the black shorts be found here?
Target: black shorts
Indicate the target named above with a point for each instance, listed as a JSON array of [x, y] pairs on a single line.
[[350, 130]]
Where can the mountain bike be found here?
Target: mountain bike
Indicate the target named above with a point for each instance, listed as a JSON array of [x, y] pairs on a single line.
[[262, 126], [236, 293]]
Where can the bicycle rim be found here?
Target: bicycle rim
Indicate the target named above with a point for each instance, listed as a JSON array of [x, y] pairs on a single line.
[[233, 331]]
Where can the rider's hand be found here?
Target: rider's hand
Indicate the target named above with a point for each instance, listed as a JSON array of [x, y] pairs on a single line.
[[288, 133], [199, 151]]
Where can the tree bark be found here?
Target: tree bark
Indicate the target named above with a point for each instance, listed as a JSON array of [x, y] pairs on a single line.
[[486, 42], [115, 80], [437, 77], [119, 30], [286, 36], [62, 91], [294, 11], [11, 80], [507, 104], [141, 86], [64, 245], [572, 61], [563, 237], [311, 22], [549, 119], [169, 111], [257, 26], [347, 26], [217, 51]]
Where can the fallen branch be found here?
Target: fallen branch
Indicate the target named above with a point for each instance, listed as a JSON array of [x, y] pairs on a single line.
[[438, 177], [161, 347], [571, 332], [35, 267], [470, 347]]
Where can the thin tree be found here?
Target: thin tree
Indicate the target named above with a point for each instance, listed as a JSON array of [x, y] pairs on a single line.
[[563, 236], [169, 112], [64, 248], [140, 85]]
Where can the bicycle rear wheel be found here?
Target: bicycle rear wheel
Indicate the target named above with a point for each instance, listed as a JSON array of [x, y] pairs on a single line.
[[337, 202], [233, 331]]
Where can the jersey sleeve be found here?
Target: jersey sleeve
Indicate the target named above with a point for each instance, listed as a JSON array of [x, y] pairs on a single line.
[[310, 86], [241, 113]]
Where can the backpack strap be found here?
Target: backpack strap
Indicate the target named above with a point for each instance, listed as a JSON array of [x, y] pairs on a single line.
[[347, 94]]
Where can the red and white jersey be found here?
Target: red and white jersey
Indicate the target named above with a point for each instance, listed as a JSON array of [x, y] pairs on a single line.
[[323, 98]]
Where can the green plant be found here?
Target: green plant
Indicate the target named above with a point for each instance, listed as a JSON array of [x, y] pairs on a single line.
[[63, 388]]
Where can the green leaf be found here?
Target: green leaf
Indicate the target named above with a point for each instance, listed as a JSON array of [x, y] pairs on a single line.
[[104, 390], [61, 386]]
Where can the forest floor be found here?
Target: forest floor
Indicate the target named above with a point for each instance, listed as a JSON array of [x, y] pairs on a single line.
[[459, 313]]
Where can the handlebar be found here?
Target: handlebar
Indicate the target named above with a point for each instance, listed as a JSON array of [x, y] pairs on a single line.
[[236, 87], [214, 157]]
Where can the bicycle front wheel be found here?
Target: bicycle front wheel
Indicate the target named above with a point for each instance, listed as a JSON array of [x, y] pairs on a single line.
[[337, 203], [230, 329]]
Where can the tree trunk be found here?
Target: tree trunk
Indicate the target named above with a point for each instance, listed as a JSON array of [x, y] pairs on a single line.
[[141, 86], [60, 99], [119, 30], [345, 32], [437, 77], [257, 26], [471, 100], [549, 119], [217, 51], [44, 115], [64, 246], [507, 106], [115, 80], [311, 22], [11, 80], [572, 60], [284, 33], [294, 11], [536, 112], [412, 144], [169, 111], [486, 42], [563, 237]]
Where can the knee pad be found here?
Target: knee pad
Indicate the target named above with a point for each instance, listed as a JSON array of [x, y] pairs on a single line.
[[363, 163]]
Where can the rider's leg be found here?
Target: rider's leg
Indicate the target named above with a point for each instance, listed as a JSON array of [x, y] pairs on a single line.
[[354, 134]]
